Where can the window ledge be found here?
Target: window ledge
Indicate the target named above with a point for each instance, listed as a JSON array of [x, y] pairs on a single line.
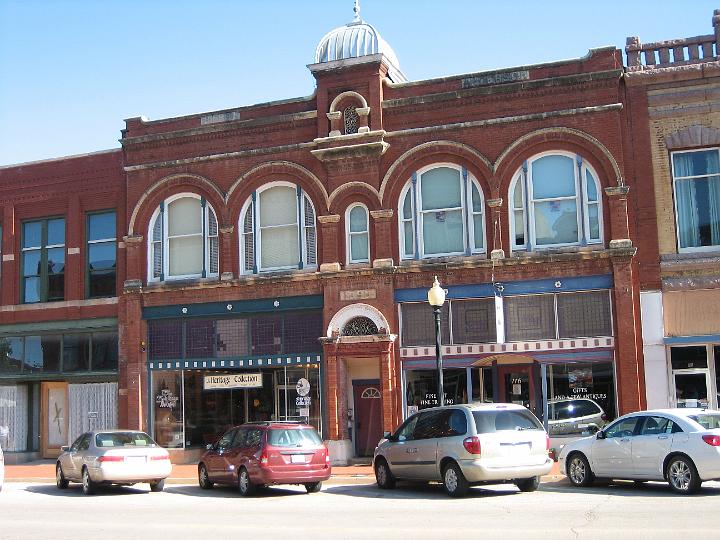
[[179, 283], [540, 252], [446, 259]]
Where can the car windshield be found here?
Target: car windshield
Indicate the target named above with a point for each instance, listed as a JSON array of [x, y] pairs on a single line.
[[517, 420], [707, 420], [123, 438], [293, 437]]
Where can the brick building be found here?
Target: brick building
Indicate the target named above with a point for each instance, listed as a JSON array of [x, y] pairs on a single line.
[[673, 91], [274, 260]]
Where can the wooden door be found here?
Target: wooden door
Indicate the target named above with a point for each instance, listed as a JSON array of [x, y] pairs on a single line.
[[53, 418], [517, 385], [368, 417]]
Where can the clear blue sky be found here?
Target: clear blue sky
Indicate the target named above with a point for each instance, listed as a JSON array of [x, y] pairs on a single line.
[[72, 71]]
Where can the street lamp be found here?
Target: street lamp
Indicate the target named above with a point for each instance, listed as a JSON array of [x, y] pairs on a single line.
[[436, 298]]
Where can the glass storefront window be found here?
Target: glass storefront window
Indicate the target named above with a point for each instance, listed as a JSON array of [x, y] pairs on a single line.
[[581, 396], [688, 357], [482, 385], [11, 354], [421, 389], [104, 351], [42, 353], [187, 414], [716, 351], [76, 352], [691, 376]]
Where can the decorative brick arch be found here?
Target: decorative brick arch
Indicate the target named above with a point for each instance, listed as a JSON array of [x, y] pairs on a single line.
[[171, 185], [271, 171], [349, 95], [345, 194], [557, 138], [434, 151], [346, 314]]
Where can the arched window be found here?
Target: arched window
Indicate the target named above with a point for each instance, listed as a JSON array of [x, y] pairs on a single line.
[[555, 202], [358, 237], [441, 213], [183, 239], [278, 230], [360, 326]]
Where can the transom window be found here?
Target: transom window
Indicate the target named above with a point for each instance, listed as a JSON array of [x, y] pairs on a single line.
[[358, 237], [43, 260], [441, 213], [696, 178], [278, 230], [183, 239], [554, 202]]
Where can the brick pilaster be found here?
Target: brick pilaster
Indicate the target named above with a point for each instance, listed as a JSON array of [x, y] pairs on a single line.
[[619, 227], [382, 232], [329, 258]]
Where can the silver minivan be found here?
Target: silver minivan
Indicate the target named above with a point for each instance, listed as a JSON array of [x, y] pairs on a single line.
[[465, 445]]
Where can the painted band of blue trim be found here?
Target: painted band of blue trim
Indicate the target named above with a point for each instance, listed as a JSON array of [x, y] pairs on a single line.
[[486, 290], [688, 340], [239, 307]]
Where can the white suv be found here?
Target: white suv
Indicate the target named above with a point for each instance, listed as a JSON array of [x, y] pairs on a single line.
[[464, 445]]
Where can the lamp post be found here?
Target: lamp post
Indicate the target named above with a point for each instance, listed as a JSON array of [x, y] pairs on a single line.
[[436, 298]]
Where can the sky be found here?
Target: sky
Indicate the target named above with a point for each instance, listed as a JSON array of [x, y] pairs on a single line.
[[71, 72]]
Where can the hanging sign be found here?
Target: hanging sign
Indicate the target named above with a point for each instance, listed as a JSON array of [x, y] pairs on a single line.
[[236, 380]]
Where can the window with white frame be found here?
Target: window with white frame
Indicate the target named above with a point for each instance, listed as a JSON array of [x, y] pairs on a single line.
[[358, 237], [278, 231], [441, 213], [554, 202], [696, 179], [183, 239]]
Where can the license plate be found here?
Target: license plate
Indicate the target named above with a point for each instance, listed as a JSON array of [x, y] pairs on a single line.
[[297, 458], [135, 459]]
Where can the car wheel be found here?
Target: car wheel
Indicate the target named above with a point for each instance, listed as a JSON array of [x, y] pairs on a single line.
[[60, 479], [88, 486], [313, 487], [454, 481], [204, 478], [157, 487], [383, 475], [682, 475], [245, 485], [578, 471], [528, 484]]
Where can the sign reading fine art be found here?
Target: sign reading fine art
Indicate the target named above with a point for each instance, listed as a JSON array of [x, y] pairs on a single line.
[[239, 380]]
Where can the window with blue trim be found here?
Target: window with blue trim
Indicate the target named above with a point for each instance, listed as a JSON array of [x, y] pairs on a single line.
[[278, 230], [554, 202], [183, 240], [441, 213]]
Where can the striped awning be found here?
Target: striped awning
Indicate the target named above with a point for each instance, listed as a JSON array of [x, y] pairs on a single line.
[[251, 362]]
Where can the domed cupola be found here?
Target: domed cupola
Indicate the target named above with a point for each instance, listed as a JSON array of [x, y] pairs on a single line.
[[357, 39]]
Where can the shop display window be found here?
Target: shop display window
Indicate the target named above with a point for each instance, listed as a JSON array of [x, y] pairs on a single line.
[[168, 409], [11, 354], [76, 352], [421, 389], [42, 353]]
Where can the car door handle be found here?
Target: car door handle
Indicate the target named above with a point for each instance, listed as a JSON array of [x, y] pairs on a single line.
[[624, 440], [662, 437], [411, 450]]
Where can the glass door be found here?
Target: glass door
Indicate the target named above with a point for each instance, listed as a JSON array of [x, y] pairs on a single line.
[[517, 385]]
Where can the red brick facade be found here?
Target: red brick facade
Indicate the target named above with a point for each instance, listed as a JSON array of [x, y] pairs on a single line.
[[489, 124]]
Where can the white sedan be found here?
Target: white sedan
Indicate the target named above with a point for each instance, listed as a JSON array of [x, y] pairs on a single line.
[[2, 468], [680, 446], [120, 457]]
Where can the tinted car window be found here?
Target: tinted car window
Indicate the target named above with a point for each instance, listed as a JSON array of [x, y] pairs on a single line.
[[707, 420], [84, 443], [456, 423], [492, 421], [429, 425], [623, 428], [561, 411], [655, 425], [293, 437], [240, 438], [405, 431], [253, 438], [226, 440], [77, 442], [585, 408]]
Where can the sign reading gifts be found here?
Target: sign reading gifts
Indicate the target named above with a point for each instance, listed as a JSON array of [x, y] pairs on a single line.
[[236, 380]]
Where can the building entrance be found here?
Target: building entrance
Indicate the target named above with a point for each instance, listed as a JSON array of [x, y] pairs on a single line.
[[368, 416], [517, 385]]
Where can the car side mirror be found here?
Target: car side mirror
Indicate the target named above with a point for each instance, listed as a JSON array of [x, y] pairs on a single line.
[[64, 448], [600, 435], [210, 446]]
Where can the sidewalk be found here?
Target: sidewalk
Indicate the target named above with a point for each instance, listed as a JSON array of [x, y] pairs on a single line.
[[44, 471]]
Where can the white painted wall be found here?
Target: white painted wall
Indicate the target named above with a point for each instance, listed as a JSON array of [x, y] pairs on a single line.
[[656, 371]]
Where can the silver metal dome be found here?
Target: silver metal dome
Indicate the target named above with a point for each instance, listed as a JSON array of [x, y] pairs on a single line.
[[354, 40]]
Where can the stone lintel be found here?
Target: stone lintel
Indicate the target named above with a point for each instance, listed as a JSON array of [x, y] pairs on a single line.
[[328, 219], [330, 267], [227, 230], [134, 239], [385, 213], [621, 243], [495, 203], [617, 191], [383, 263]]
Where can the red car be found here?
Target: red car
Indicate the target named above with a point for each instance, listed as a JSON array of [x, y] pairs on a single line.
[[260, 454]]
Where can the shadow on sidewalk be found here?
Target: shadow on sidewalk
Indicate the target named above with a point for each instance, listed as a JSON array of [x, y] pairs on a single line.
[[409, 490], [75, 490], [626, 488], [230, 492]]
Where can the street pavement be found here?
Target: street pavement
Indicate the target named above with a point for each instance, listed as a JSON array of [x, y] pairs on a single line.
[[358, 509]]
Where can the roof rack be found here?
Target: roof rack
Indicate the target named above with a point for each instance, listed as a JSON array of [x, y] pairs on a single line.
[[270, 422]]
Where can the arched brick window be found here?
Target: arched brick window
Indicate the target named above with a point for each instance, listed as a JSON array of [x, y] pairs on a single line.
[[554, 201], [360, 326], [183, 239]]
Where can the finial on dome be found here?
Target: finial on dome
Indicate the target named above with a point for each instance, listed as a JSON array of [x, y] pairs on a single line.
[[356, 10]]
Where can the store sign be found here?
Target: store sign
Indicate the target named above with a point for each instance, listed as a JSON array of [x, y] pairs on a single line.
[[238, 380], [166, 399]]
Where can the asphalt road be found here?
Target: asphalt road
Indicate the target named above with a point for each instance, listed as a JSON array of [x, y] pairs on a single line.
[[358, 510]]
